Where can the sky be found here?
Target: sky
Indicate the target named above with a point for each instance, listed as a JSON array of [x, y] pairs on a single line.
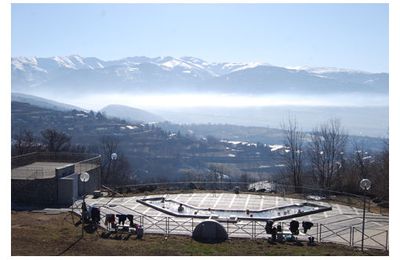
[[330, 35]]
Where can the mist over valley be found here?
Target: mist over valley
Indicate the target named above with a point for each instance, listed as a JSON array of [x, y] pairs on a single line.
[[192, 90]]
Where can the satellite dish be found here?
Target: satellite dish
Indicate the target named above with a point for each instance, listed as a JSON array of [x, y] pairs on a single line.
[[114, 156], [84, 177], [365, 184]]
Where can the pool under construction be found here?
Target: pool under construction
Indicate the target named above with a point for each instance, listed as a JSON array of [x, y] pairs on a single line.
[[179, 209]]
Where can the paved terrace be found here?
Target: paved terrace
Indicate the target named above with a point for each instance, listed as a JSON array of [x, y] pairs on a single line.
[[37, 170], [341, 225]]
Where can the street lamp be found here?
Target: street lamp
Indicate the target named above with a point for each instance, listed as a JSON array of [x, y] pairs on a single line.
[[365, 185], [111, 166], [84, 177]]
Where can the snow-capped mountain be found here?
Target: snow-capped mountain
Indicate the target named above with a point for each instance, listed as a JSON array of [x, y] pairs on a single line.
[[164, 74]]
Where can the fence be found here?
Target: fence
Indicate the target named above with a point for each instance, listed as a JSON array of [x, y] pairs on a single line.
[[31, 173], [29, 158], [80, 162], [252, 229], [87, 165]]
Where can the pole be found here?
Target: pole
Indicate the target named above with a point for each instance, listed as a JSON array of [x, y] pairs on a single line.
[[84, 208], [82, 217], [363, 225], [83, 204]]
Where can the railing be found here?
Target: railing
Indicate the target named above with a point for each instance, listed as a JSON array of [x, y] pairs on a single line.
[[80, 162], [29, 158], [24, 159], [31, 173], [88, 164], [379, 238], [339, 234], [253, 229]]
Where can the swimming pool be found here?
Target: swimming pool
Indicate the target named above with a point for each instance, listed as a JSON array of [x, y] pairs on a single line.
[[170, 207]]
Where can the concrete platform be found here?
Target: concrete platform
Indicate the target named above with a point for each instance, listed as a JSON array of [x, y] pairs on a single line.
[[37, 170], [341, 225]]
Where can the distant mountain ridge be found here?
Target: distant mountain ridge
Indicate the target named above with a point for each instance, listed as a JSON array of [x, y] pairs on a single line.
[[185, 74], [130, 114], [43, 102]]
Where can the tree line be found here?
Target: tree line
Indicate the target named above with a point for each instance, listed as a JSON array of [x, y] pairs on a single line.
[[322, 159], [53, 140]]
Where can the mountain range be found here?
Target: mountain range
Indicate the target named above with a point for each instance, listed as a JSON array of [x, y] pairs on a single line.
[[69, 74]]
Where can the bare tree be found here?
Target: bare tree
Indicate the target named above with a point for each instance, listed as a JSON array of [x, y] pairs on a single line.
[[380, 174], [122, 173], [354, 167], [362, 160], [327, 147], [108, 146], [24, 142], [293, 155], [55, 141]]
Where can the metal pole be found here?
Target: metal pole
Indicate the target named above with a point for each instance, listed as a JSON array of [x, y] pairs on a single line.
[[166, 225], [369, 205], [83, 204], [387, 240], [363, 225], [350, 240], [320, 232], [82, 221], [252, 229]]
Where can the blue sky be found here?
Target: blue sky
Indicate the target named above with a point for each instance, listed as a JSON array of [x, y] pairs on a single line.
[[338, 35]]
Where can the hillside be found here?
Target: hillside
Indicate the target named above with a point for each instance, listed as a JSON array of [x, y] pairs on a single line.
[[42, 102], [130, 114], [152, 153]]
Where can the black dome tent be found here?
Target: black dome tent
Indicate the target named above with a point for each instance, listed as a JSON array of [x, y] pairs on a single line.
[[210, 231]]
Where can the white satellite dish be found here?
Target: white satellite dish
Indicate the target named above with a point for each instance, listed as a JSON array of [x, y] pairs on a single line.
[[84, 177], [114, 156]]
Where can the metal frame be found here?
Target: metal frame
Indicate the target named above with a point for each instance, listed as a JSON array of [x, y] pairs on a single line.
[[371, 237], [246, 229]]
